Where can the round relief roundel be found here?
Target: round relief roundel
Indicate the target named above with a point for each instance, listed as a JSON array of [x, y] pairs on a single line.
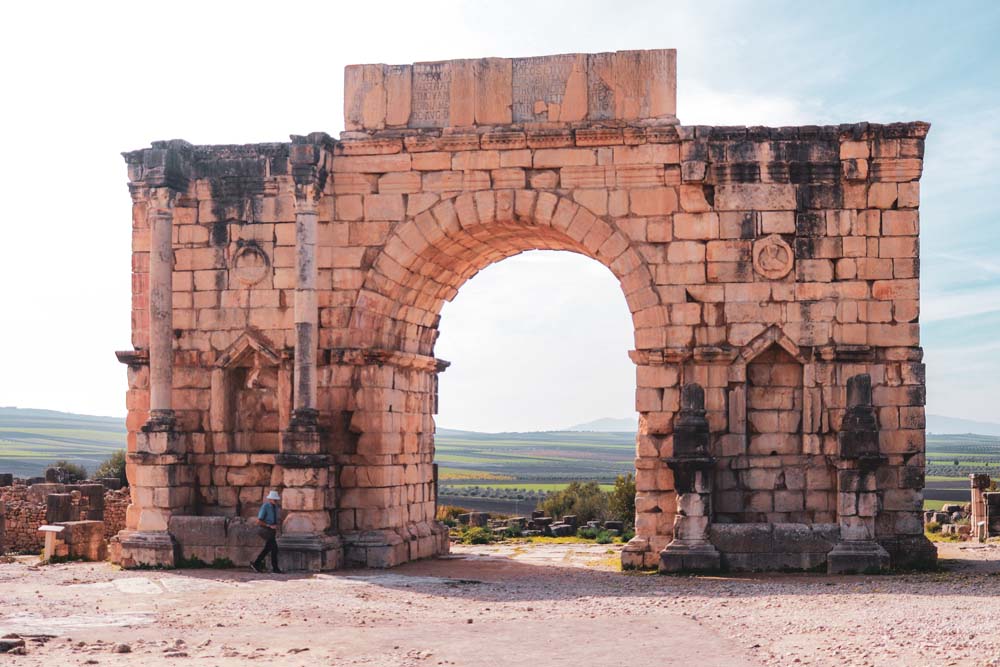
[[772, 257], [250, 265]]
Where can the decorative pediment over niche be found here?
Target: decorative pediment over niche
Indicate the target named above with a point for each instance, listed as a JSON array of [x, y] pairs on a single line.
[[248, 344], [773, 335]]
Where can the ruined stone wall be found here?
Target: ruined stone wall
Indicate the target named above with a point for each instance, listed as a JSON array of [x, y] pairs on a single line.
[[26, 512], [766, 265], [23, 520], [115, 505]]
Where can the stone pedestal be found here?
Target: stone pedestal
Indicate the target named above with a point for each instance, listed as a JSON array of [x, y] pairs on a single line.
[[307, 541], [374, 548], [310, 553], [132, 549], [691, 550], [690, 556], [858, 499], [857, 557], [162, 487]]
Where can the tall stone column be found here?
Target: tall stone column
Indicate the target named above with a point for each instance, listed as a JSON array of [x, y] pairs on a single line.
[[691, 464], [302, 436], [162, 480], [306, 312], [161, 309], [980, 484], [857, 488], [307, 541]]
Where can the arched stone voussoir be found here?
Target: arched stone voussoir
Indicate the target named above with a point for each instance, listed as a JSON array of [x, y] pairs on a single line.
[[433, 253]]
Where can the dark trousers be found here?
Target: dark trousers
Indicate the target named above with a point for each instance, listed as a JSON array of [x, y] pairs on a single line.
[[270, 547]]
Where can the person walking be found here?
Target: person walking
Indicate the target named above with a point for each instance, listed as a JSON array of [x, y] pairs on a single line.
[[267, 520]]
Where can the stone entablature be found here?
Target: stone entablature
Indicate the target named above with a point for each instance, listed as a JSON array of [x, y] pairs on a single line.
[[767, 266]]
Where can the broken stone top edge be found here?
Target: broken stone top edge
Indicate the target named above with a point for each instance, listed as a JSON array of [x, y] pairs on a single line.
[[844, 131], [517, 58]]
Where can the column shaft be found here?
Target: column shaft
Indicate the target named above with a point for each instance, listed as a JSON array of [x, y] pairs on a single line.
[[306, 313], [161, 310]]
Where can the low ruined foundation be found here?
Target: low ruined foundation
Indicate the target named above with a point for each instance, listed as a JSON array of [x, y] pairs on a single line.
[[286, 302]]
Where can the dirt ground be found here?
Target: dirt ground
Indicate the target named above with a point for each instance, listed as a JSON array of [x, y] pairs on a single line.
[[504, 605]]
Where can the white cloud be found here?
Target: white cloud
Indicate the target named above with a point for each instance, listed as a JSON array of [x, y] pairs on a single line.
[[699, 104]]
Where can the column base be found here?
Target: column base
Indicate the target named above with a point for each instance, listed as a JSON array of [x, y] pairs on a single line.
[[144, 549], [690, 556], [303, 435], [310, 553], [387, 548], [862, 557], [160, 421]]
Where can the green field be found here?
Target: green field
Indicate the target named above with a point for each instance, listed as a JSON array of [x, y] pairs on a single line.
[[544, 486], [510, 464], [32, 439], [534, 461]]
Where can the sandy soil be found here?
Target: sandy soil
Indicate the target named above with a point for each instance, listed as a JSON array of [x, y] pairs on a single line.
[[505, 605]]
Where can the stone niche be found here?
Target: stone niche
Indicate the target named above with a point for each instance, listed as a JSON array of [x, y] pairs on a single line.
[[778, 475], [251, 401], [774, 404]]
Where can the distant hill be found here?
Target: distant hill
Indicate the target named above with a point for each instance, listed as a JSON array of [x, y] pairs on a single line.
[[608, 424], [32, 439], [938, 424]]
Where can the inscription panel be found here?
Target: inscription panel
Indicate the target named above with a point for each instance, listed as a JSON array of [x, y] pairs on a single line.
[[600, 86], [538, 83], [431, 95]]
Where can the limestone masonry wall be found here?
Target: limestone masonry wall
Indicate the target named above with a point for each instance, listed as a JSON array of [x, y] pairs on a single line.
[[767, 266], [25, 508]]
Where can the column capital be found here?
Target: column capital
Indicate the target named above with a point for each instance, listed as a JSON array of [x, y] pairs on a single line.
[[161, 201], [308, 156], [165, 164]]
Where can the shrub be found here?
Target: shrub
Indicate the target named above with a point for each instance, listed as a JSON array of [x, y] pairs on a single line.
[[621, 500], [627, 535], [113, 466], [513, 530], [604, 537], [477, 535], [587, 533], [583, 499], [448, 514], [932, 527], [74, 472]]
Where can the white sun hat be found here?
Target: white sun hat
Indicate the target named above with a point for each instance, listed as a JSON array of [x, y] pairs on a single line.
[[274, 495]]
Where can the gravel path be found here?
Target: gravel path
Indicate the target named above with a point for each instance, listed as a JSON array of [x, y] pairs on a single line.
[[507, 605]]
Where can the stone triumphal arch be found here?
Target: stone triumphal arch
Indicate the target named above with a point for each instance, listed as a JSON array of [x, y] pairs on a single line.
[[286, 300]]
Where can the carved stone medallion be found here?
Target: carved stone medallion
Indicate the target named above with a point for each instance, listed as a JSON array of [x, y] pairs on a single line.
[[250, 265], [772, 257]]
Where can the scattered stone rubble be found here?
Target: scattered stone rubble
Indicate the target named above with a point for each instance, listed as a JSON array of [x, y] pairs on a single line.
[[92, 513], [978, 519], [538, 524]]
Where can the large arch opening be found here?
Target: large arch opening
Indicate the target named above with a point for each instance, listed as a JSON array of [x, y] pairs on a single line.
[[540, 391], [426, 261]]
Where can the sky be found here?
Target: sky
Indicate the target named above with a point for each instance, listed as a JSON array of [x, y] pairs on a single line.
[[85, 81]]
